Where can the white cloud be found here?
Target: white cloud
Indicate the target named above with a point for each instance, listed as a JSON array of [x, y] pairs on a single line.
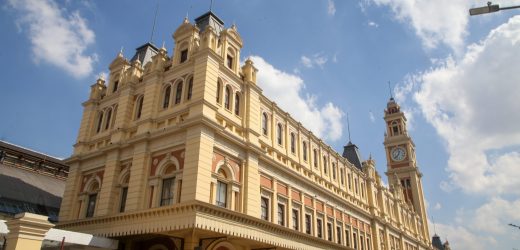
[[473, 105], [435, 22], [317, 59], [331, 8], [371, 116], [460, 237], [437, 206], [494, 216], [373, 24], [57, 37], [286, 90]]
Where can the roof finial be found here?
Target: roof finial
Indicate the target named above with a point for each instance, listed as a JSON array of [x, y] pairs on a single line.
[[211, 5], [390, 90], [348, 128], [154, 20]]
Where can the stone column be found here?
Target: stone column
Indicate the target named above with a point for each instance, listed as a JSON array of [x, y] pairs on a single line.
[[26, 231]]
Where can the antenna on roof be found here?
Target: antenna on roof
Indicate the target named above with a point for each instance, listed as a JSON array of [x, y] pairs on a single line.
[[211, 5], [154, 20], [348, 128], [390, 90], [434, 229]]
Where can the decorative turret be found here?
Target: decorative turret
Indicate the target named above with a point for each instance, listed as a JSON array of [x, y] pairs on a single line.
[[97, 90], [249, 71]]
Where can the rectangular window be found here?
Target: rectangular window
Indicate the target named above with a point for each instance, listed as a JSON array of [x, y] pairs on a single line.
[[342, 173], [184, 55], [91, 205], [221, 194], [167, 193], [333, 171], [281, 214], [354, 240], [361, 242], [116, 85], [325, 164], [296, 219], [329, 231], [122, 204], [230, 61], [338, 234], [308, 224], [264, 206], [368, 243], [319, 228]]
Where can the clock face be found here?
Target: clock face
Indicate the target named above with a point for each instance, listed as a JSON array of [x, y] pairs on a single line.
[[398, 154]]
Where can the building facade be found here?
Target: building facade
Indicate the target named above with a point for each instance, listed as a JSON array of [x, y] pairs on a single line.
[[185, 152]]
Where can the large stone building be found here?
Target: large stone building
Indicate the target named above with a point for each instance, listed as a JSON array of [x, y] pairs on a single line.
[[185, 152]]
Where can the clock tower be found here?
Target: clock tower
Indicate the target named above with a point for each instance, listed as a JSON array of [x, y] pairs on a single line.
[[402, 167]]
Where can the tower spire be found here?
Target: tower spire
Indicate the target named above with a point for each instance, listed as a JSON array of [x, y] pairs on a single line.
[[154, 20]]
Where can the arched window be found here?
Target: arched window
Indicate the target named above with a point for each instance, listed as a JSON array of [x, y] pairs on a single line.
[[108, 118], [395, 128], [316, 158], [237, 104], [139, 107], [190, 88], [124, 193], [166, 96], [222, 189], [325, 169], [304, 148], [99, 121], [264, 123], [293, 143], [168, 184], [227, 97], [219, 89], [178, 93], [92, 190], [279, 133]]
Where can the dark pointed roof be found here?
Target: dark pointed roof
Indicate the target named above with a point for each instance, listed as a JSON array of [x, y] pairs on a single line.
[[209, 18], [351, 152], [145, 53], [437, 243]]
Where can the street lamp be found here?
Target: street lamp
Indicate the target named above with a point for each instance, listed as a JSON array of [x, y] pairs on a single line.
[[489, 9]]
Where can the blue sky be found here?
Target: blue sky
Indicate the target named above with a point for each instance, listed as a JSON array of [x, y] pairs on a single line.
[[455, 76]]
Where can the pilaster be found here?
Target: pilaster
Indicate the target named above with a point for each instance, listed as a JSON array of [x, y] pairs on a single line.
[[197, 164], [107, 197], [138, 176]]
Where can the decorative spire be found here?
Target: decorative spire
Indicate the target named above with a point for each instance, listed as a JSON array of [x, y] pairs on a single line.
[[120, 54], [348, 128]]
